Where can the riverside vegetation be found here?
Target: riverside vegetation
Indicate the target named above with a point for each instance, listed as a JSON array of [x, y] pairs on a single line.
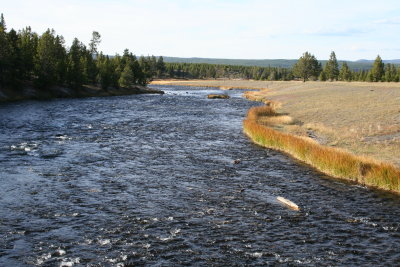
[[306, 68], [332, 161], [359, 119], [35, 66]]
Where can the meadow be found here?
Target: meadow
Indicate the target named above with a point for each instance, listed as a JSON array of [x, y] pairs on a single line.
[[349, 130], [360, 117]]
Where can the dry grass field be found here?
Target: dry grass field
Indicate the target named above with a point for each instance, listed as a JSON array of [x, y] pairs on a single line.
[[259, 126], [223, 84], [363, 118]]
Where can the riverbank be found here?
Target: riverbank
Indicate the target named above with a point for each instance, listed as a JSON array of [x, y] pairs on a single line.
[[30, 92], [259, 123], [361, 119], [219, 83]]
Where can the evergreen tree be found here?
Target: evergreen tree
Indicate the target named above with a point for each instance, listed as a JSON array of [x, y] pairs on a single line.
[[322, 76], [396, 74], [146, 69], [307, 66], [153, 66], [15, 61], [345, 73], [94, 43], [28, 42], [369, 77], [127, 78], [332, 68], [388, 74], [161, 67], [75, 68], [377, 70], [48, 64], [61, 63], [90, 57], [105, 71], [5, 59], [3, 25], [272, 76]]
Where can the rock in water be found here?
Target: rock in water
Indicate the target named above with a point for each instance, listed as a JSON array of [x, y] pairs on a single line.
[[216, 96]]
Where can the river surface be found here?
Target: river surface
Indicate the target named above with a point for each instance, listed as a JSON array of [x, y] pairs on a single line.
[[151, 180]]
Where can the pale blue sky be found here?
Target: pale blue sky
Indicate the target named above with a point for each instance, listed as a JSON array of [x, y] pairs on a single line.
[[358, 29]]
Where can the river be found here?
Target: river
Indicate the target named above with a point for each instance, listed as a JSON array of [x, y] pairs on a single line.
[[151, 180]]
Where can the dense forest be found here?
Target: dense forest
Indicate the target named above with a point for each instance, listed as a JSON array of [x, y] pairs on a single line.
[[306, 68], [43, 61], [362, 64], [203, 71]]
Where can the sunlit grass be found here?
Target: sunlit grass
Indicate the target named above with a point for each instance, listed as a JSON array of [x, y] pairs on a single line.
[[329, 160]]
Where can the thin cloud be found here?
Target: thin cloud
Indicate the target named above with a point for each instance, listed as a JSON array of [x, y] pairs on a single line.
[[223, 28], [350, 32], [389, 21]]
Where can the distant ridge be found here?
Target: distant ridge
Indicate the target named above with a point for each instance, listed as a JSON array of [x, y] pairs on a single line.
[[362, 64]]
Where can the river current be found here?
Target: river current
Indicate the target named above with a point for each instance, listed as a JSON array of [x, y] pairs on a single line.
[[152, 180]]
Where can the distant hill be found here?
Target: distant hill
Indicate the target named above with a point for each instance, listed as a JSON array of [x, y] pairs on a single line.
[[362, 64]]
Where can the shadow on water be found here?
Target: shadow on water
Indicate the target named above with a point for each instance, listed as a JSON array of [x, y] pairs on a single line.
[[151, 180]]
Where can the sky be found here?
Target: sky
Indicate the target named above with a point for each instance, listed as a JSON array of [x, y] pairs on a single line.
[[237, 29]]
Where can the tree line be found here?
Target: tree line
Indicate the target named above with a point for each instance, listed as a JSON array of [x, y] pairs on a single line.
[[44, 61], [306, 68], [214, 71]]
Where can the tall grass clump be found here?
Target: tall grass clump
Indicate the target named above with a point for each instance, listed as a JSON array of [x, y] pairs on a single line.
[[332, 161]]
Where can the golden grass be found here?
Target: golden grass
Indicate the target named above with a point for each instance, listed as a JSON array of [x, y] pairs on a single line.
[[363, 118], [223, 84], [320, 121], [360, 117], [332, 161]]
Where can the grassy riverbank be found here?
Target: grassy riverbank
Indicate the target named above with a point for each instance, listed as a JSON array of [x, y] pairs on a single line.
[[352, 129], [332, 161], [362, 118], [222, 84]]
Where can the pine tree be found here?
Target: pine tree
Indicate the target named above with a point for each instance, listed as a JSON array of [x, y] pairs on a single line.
[[377, 70], [307, 66], [388, 74], [94, 43], [144, 63], [272, 76], [91, 55], [105, 71], [75, 77], [332, 68], [48, 64], [369, 77], [345, 73], [3, 25], [28, 42], [5, 59], [127, 78], [160, 67], [322, 76], [153, 66]]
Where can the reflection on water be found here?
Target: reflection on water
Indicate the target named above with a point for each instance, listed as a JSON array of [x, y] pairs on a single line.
[[149, 179]]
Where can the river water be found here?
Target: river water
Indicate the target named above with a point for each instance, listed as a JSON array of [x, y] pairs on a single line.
[[150, 180]]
